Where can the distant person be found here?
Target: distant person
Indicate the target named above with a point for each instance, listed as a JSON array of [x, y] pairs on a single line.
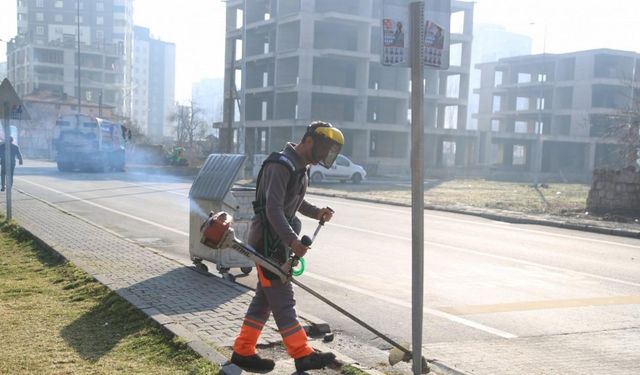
[[15, 154]]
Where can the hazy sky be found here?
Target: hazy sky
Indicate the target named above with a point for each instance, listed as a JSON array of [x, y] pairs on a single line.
[[197, 28]]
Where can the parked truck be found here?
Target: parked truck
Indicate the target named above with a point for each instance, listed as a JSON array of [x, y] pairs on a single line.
[[83, 142]]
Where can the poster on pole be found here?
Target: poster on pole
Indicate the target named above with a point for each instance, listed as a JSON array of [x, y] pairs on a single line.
[[395, 34], [437, 23]]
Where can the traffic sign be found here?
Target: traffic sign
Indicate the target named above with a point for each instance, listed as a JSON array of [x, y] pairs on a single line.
[[11, 107]]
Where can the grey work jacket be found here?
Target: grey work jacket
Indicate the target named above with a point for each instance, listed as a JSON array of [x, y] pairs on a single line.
[[283, 200]]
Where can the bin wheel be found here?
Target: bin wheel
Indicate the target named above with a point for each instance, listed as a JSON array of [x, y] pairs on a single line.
[[229, 277], [201, 267], [246, 270]]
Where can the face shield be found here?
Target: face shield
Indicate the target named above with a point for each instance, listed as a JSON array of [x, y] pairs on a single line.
[[327, 143]]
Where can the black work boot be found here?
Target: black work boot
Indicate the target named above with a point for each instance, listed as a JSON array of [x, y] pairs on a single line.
[[252, 362], [317, 361]]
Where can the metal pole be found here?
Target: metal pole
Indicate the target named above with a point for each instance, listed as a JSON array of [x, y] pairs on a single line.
[[231, 72], [78, 24], [417, 182], [7, 155]]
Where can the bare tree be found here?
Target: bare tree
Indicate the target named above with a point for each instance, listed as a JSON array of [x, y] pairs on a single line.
[[190, 127], [624, 127]]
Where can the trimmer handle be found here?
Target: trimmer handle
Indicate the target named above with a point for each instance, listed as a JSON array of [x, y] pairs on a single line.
[[306, 240], [322, 218]]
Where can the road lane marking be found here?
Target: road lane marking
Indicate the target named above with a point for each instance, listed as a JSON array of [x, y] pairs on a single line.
[[529, 263], [426, 310], [501, 257], [109, 209], [541, 305], [488, 224]]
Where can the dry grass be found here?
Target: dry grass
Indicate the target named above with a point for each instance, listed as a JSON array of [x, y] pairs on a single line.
[[557, 199], [57, 320]]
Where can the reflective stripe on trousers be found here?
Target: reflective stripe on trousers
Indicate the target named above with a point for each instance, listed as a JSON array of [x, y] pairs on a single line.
[[272, 296]]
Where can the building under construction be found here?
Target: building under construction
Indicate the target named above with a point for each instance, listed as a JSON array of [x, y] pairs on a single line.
[[557, 116], [295, 61]]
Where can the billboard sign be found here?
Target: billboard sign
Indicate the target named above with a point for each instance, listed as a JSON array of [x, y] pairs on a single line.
[[437, 23], [396, 46]]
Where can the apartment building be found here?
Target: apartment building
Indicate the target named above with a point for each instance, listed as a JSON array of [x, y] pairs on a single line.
[[549, 114], [43, 54], [153, 91], [295, 61]]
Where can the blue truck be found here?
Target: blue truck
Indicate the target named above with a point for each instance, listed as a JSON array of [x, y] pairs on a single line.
[[82, 142]]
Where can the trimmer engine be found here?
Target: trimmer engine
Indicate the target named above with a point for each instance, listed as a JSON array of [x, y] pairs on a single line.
[[215, 228]]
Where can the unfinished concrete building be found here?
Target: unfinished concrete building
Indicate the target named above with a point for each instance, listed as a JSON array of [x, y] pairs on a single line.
[[295, 61], [547, 115]]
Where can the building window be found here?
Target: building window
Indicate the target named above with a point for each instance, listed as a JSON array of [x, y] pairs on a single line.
[[40, 3], [521, 127], [519, 155], [99, 6], [58, 17], [40, 30], [99, 35], [39, 16], [99, 20], [495, 125], [59, 4], [497, 78], [497, 103]]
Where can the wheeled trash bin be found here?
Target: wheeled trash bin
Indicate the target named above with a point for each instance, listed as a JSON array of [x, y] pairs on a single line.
[[213, 190]]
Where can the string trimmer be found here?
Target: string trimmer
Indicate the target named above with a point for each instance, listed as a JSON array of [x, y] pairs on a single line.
[[217, 233]]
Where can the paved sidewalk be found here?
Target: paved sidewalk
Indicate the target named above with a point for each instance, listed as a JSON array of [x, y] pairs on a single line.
[[205, 310]]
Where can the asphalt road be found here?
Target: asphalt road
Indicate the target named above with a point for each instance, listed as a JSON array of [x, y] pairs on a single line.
[[483, 279]]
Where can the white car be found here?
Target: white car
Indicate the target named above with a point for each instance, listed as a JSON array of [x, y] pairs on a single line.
[[342, 170]]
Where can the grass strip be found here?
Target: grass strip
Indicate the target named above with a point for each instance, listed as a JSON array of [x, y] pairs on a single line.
[[56, 319]]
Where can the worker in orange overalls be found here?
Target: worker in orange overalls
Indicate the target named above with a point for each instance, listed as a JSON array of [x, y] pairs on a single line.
[[280, 190]]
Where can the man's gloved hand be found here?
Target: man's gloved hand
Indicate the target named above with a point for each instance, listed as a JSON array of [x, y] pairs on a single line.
[[298, 248], [325, 214], [20, 162]]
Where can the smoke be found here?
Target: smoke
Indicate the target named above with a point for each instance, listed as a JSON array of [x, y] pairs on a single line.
[[195, 208]]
